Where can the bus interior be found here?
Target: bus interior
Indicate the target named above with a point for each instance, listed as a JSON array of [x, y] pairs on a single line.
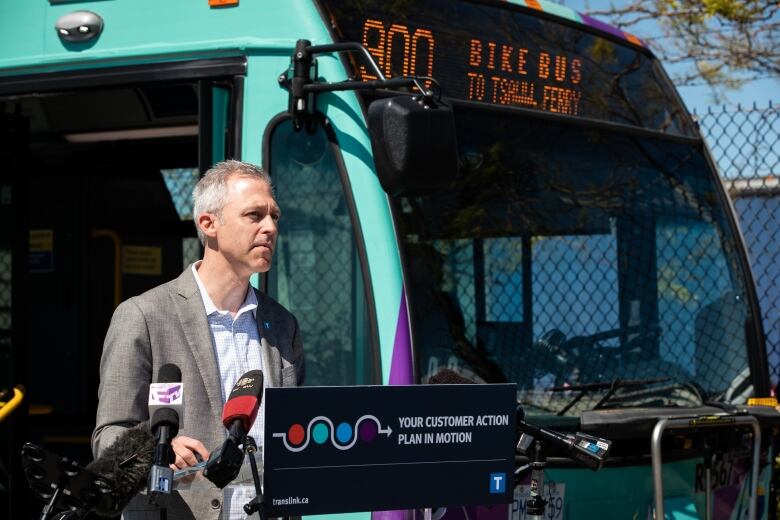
[[99, 193]]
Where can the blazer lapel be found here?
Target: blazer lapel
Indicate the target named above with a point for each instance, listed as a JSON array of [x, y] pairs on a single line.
[[192, 315], [272, 360]]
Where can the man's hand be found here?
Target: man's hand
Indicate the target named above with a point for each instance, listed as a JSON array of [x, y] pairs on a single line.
[[185, 449]]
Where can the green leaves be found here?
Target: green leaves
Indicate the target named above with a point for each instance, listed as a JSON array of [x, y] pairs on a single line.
[[723, 43]]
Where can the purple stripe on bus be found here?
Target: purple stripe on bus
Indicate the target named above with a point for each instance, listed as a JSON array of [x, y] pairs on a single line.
[[401, 365], [400, 374], [602, 26], [391, 515]]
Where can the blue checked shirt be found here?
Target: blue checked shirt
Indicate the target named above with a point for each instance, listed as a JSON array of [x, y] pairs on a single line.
[[237, 342]]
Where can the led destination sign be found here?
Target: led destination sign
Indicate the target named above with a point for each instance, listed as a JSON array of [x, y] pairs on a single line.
[[557, 77], [499, 56], [499, 73]]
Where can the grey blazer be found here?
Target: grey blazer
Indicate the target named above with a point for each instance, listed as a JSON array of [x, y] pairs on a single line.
[[168, 324]]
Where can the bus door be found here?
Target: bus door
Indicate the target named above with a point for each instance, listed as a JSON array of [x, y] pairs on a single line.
[[109, 177], [13, 298]]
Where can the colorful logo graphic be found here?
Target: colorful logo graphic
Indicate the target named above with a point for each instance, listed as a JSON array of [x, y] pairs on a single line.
[[167, 393], [343, 436]]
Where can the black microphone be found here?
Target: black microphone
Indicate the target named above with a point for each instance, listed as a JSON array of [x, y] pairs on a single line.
[[166, 398], [238, 415], [125, 464], [241, 408], [105, 486], [447, 376], [588, 450]]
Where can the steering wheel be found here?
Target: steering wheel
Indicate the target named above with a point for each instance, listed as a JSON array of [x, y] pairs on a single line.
[[559, 354]]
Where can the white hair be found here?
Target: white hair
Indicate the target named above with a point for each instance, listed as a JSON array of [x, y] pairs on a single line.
[[211, 192]]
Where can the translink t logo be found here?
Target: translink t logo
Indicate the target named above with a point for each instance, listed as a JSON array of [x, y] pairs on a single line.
[[342, 437], [497, 483]]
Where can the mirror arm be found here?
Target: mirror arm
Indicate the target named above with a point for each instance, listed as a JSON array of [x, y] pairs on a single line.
[[344, 47], [300, 79], [361, 85]]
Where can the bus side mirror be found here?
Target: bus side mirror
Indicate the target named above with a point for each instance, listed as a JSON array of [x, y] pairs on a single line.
[[414, 144]]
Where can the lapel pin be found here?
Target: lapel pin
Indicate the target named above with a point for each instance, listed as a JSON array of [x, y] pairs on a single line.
[[267, 325]]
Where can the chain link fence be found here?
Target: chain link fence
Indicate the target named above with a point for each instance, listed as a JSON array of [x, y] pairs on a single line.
[[593, 268], [745, 144]]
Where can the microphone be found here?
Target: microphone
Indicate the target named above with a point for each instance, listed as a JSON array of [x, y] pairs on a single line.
[[166, 400], [125, 465], [588, 450], [447, 376], [241, 408], [105, 486], [238, 416]]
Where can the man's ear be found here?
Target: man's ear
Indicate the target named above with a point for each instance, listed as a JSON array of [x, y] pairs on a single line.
[[207, 224]]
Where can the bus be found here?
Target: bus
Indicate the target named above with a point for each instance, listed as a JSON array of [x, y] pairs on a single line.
[[583, 248]]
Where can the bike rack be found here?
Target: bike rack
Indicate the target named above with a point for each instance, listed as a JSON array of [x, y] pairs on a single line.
[[710, 421]]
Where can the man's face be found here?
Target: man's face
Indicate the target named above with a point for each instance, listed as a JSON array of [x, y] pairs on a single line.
[[247, 230]]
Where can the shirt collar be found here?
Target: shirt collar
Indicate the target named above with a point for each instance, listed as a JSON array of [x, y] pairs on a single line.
[[250, 300]]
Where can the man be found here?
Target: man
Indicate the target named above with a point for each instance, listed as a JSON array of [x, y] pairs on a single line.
[[214, 326]]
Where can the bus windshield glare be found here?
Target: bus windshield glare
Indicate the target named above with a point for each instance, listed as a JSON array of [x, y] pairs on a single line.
[[567, 259]]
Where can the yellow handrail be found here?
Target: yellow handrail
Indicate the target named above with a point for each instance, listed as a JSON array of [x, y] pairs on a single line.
[[10, 406]]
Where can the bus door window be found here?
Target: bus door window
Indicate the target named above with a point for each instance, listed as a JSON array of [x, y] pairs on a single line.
[[317, 273], [180, 182], [214, 132]]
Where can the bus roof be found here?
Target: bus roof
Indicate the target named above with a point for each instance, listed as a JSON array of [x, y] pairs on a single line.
[[573, 16], [182, 27], [149, 30]]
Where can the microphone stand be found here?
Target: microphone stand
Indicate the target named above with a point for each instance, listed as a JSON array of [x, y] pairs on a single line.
[[49, 511], [49, 508], [69, 515], [536, 506], [257, 504], [534, 442]]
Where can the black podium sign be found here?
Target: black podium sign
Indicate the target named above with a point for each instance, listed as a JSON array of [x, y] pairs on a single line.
[[373, 448]]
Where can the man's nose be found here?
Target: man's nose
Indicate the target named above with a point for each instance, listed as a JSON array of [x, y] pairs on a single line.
[[270, 225]]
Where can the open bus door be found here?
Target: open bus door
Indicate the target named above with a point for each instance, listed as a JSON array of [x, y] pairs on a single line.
[[96, 182], [13, 267]]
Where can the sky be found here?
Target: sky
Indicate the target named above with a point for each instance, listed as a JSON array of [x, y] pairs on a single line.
[[760, 92], [698, 98]]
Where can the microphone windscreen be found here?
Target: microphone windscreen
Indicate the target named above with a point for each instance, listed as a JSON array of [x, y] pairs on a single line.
[[126, 463], [244, 400], [250, 383], [167, 417], [447, 376], [169, 373]]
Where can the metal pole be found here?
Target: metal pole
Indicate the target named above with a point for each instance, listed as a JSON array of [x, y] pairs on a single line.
[[696, 423], [708, 488], [655, 454]]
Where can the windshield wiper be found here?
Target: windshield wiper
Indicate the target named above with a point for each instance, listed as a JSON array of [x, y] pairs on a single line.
[[610, 386]]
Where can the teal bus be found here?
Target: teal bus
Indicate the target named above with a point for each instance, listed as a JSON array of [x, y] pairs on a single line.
[[578, 243]]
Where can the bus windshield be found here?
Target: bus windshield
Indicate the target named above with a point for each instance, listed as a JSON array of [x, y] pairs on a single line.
[[593, 266], [576, 260]]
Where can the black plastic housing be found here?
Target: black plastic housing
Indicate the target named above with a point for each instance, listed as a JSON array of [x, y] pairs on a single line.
[[414, 144]]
